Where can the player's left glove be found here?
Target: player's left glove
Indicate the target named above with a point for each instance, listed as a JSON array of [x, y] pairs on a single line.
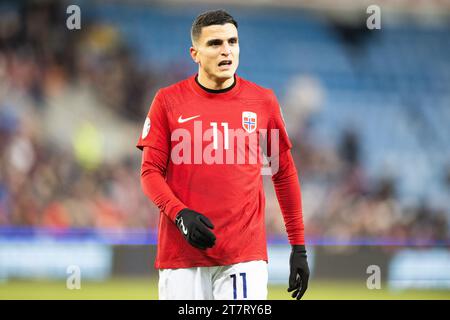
[[299, 276]]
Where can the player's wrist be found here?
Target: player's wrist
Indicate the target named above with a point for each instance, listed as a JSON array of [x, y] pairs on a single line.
[[181, 212], [173, 211], [299, 248], [181, 220]]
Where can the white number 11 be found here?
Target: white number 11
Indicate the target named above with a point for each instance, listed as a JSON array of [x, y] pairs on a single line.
[[215, 134]]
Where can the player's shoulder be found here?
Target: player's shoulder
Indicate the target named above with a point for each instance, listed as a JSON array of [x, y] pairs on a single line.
[[175, 93], [174, 87], [256, 91]]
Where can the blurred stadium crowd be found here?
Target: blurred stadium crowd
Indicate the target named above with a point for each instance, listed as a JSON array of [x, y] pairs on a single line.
[[72, 105], [65, 98]]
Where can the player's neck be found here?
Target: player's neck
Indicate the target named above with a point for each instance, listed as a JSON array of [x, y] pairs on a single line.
[[213, 84]]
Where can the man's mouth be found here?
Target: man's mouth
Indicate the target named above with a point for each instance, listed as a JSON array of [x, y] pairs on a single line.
[[225, 63]]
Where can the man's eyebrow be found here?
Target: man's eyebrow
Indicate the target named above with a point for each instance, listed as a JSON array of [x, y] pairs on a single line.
[[213, 41], [218, 41]]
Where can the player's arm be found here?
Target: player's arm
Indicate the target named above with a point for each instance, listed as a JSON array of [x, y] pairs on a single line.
[[155, 144], [287, 188], [154, 185], [193, 225]]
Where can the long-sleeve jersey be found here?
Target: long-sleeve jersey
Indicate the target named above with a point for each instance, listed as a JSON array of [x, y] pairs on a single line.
[[204, 151]]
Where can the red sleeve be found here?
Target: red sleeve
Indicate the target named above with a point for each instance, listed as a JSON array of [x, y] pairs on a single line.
[[287, 188], [277, 130], [154, 185]]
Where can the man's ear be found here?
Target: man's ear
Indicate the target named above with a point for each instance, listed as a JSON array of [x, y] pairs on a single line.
[[193, 53]]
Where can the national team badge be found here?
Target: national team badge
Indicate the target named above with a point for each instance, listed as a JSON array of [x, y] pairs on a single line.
[[249, 121]]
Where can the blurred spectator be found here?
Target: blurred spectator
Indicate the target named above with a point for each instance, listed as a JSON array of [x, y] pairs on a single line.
[[349, 148], [303, 99]]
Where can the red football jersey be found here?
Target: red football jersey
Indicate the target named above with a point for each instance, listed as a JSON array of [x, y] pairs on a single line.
[[214, 167]]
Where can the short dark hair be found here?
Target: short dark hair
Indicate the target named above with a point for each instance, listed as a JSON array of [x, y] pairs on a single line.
[[210, 18]]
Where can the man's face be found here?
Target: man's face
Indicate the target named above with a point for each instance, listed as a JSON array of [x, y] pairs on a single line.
[[217, 51]]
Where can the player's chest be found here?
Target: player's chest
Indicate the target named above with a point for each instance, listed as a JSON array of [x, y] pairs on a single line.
[[249, 116]]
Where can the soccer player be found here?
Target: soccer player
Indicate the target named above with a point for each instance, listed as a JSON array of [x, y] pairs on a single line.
[[202, 168]]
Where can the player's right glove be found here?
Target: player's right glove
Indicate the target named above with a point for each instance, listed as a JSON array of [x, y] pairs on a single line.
[[195, 229]]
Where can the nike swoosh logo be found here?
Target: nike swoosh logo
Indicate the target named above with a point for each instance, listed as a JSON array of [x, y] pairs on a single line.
[[181, 120]]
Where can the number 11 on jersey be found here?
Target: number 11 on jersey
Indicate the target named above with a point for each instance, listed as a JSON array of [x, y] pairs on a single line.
[[215, 134]]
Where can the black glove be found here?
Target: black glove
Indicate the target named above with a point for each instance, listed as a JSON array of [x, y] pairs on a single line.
[[194, 227], [298, 278]]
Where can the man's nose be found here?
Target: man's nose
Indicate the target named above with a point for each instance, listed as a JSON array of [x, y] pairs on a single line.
[[226, 50]]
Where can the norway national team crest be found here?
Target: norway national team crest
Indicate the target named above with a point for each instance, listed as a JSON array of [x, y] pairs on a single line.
[[249, 121]]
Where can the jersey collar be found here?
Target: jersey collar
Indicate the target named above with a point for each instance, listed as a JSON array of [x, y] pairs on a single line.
[[215, 94]]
